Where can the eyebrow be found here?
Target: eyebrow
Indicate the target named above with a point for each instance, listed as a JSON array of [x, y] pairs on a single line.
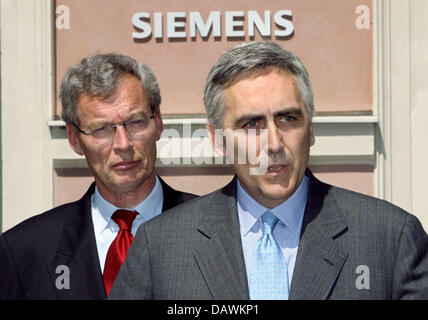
[[246, 117], [293, 110], [131, 116]]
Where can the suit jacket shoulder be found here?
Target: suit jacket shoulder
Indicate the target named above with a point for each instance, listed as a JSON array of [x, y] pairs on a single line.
[[38, 230], [35, 253], [343, 233]]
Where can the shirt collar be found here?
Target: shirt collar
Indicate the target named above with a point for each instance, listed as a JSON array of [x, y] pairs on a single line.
[[150, 207], [290, 212]]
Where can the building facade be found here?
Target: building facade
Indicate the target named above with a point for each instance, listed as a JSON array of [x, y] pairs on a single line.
[[366, 60]]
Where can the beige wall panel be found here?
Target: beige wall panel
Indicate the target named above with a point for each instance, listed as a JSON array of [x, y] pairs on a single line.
[[337, 54], [70, 184], [357, 178]]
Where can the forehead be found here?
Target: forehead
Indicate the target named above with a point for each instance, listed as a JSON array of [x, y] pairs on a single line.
[[127, 98], [265, 93]]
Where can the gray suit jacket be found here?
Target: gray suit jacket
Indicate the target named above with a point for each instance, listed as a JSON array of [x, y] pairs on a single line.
[[352, 247]]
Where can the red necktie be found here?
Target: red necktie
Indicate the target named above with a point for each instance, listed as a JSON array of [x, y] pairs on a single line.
[[116, 254]]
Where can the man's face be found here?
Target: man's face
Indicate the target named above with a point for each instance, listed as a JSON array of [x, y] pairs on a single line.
[[121, 164], [268, 101]]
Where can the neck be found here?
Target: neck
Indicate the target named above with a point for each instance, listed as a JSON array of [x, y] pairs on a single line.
[[127, 198]]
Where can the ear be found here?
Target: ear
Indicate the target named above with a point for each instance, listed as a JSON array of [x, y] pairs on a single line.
[[312, 136], [158, 123], [73, 139], [216, 140]]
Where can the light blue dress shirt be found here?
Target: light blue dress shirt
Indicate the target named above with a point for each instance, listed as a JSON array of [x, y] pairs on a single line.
[[106, 229], [286, 232]]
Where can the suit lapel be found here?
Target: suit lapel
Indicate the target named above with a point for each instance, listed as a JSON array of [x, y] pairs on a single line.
[[320, 258], [78, 252], [219, 250]]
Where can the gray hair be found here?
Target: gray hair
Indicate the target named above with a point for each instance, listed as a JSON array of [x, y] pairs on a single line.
[[244, 60], [98, 76]]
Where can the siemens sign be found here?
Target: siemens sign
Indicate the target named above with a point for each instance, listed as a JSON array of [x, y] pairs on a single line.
[[236, 23]]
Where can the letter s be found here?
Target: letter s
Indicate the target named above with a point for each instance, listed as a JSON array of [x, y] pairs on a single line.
[[138, 23], [282, 22]]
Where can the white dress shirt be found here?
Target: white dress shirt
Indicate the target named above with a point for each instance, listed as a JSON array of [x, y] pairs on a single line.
[[106, 229], [287, 231]]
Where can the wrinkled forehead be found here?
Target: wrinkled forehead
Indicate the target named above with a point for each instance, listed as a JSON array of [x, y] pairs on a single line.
[[268, 90], [252, 73], [110, 89], [128, 95], [262, 71]]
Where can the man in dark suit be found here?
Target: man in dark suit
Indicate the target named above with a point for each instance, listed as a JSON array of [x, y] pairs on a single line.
[[111, 110], [275, 231]]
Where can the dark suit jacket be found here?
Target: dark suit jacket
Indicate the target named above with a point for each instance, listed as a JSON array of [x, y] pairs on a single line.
[[31, 252], [351, 247]]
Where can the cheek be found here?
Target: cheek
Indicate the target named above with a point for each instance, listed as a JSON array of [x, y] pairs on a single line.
[[97, 155], [298, 147], [247, 148], [146, 147]]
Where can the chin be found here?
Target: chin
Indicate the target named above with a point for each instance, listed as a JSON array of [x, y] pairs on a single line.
[[278, 196], [278, 193], [126, 182]]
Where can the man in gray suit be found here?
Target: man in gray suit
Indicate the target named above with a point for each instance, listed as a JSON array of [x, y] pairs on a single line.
[[324, 242]]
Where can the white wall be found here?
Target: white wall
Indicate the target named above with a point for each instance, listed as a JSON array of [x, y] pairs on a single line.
[[402, 95], [26, 105]]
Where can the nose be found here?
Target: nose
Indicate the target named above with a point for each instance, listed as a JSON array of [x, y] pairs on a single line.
[[121, 140], [275, 144]]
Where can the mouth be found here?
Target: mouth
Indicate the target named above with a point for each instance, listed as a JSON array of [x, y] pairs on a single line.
[[277, 169], [126, 165]]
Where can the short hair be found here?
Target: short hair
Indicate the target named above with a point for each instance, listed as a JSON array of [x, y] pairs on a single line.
[[98, 76], [244, 60]]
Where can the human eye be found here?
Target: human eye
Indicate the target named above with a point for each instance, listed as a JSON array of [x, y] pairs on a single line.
[[253, 124], [137, 122], [285, 119], [101, 131]]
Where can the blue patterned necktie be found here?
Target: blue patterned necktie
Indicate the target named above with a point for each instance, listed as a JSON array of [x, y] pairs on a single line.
[[269, 274]]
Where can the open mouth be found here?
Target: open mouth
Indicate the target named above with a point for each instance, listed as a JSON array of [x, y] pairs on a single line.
[[277, 169]]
